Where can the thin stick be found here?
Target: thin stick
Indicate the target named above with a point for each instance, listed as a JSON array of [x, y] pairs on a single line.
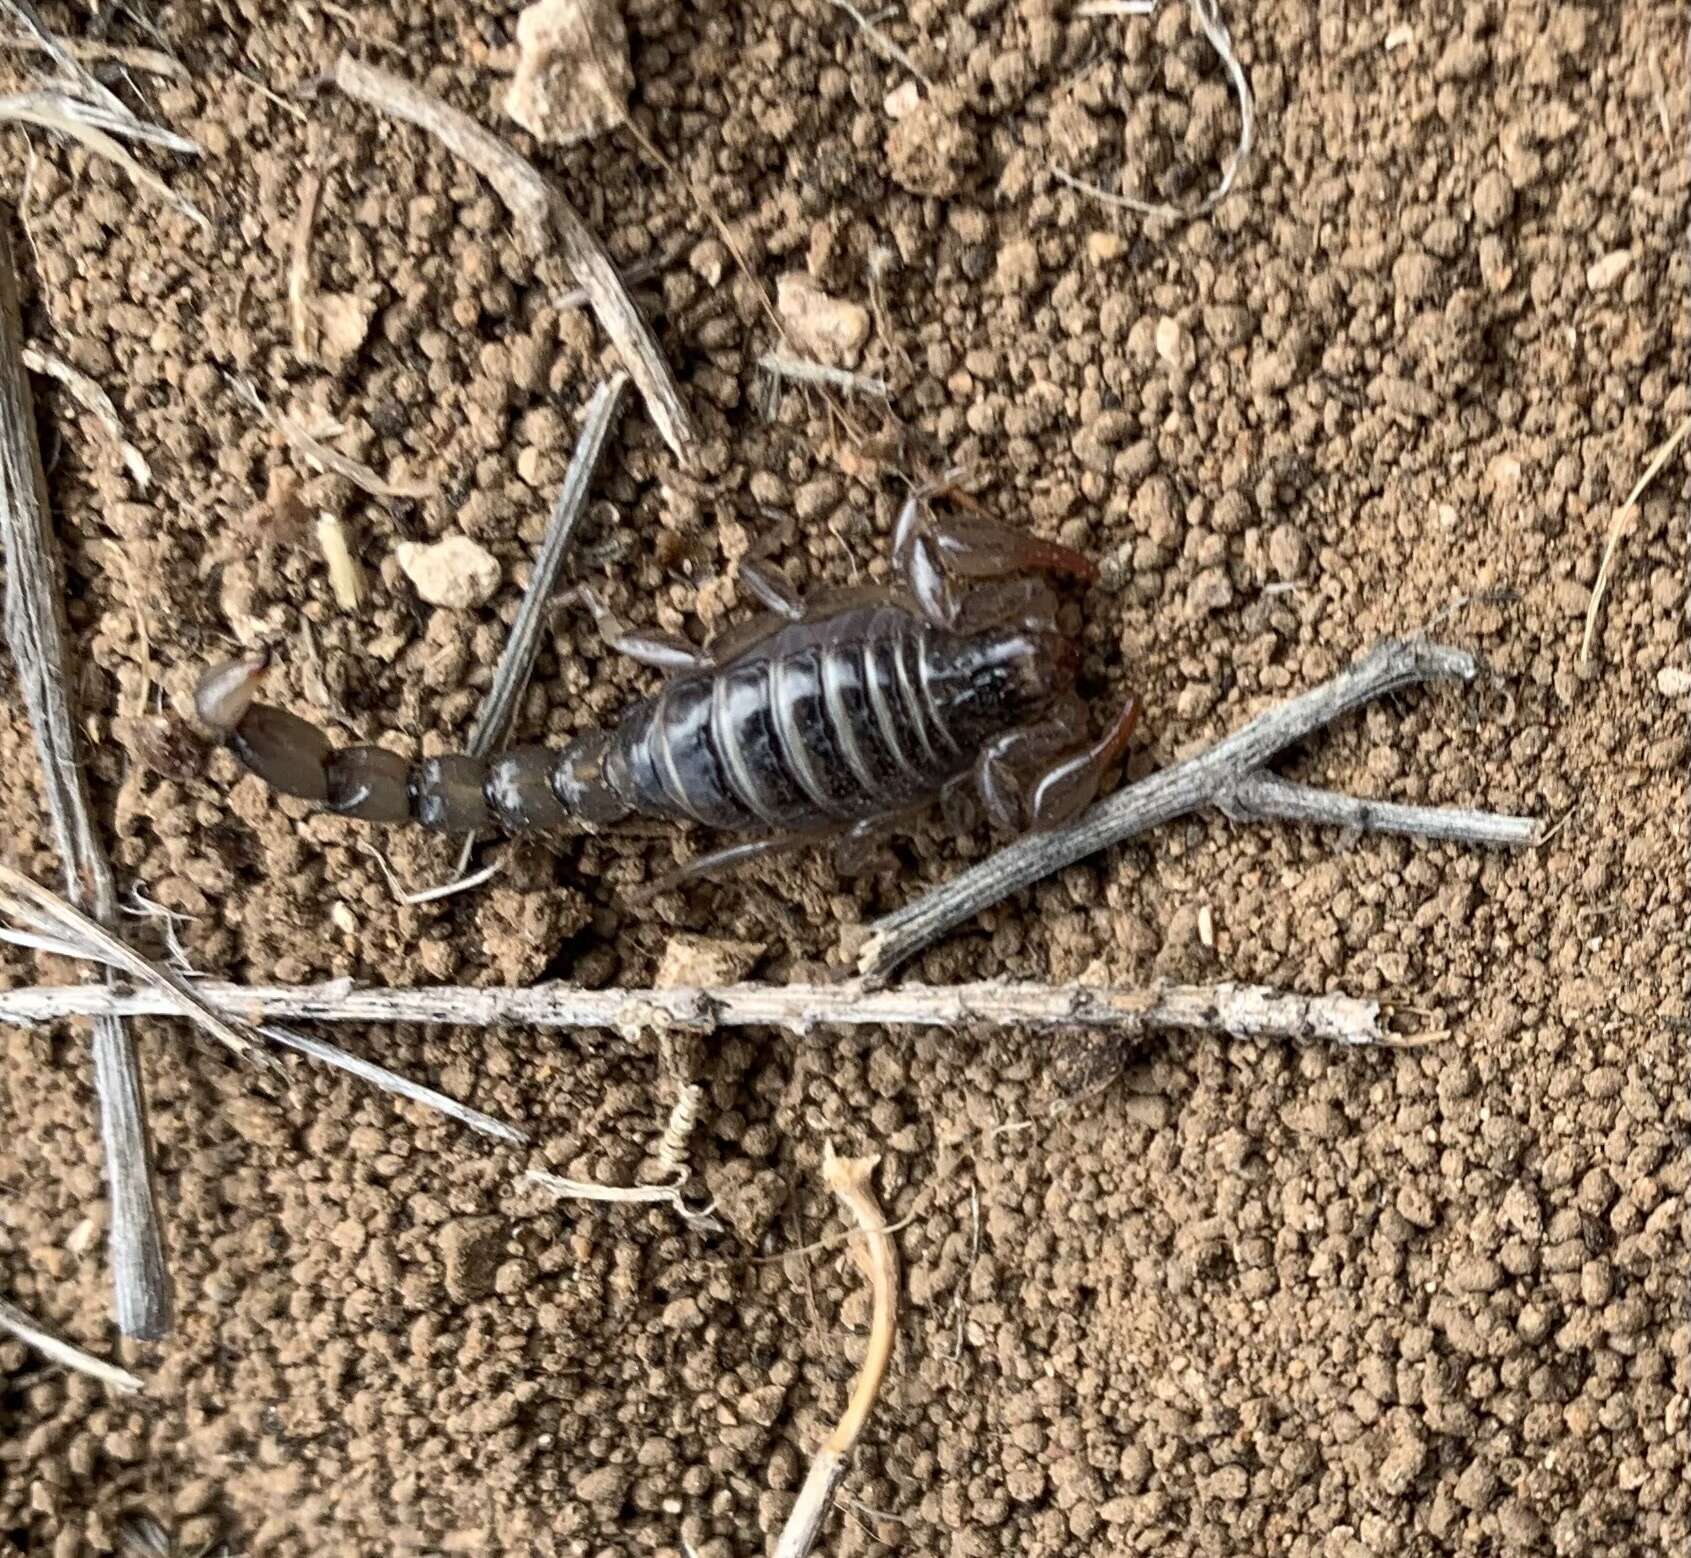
[[1239, 1011], [1618, 527], [882, 43], [94, 400], [35, 634], [26, 1330], [1207, 13], [299, 264], [393, 1082], [151, 62], [1269, 798], [543, 219], [516, 664], [849, 1179], [804, 372], [1208, 779]]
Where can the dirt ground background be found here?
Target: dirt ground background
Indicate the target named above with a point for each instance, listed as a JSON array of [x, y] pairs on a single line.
[[1246, 1298]]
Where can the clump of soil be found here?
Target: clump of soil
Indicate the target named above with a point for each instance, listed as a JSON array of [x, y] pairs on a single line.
[[1245, 1299]]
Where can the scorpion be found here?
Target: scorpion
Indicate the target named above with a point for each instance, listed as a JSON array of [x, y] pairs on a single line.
[[836, 719]]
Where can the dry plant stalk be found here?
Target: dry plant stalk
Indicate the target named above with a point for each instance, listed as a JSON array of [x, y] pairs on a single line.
[[299, 266], [659, 1195], [96, 402], [35, 634], [1227, 777], [96, 129], [1236, 1011], [1618, 527], [849, 1179], [1207, 14], [803, 371], [325, 458], [27, 1331], [346, 578], [544, 220]]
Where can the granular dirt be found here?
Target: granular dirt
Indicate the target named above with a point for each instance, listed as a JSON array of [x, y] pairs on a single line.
[[1247, 1299]]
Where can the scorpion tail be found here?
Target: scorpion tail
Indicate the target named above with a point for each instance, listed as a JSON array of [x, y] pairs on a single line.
[[520, 791]]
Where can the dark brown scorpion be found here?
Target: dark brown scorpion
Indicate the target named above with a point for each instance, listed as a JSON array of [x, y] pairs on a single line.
[[831, 720]]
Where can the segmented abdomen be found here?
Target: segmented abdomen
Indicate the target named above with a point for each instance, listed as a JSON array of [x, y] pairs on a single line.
[[804, 732]]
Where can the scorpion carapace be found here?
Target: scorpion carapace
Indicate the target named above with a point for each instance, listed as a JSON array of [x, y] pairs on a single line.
[[831, 720]]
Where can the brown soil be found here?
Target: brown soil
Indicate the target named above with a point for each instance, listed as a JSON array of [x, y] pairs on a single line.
[[1248, 1298]]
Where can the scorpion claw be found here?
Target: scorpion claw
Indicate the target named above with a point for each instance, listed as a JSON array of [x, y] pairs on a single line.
[[226, 691]]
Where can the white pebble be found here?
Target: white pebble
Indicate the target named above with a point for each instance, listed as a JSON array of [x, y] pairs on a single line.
[[454, 572], [1604, 273]]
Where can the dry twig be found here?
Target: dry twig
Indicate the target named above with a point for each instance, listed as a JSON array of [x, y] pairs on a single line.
[[299, 265], [849, 1179], [544, 220], [1618, 527], [516, 664], [1226, 775], [661, 1195], [150, 62], [15, 1321], [1207, 14], [882, 43], [35, 634], [802, 372], [1240, 1011], [96, 402]]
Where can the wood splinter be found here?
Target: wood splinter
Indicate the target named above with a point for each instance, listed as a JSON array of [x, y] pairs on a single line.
[[849, 1179]]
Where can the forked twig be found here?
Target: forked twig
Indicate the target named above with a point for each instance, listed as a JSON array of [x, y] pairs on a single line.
[[94, 400], [544, 220], [1227, 774], [18, 1324], [35, 634]]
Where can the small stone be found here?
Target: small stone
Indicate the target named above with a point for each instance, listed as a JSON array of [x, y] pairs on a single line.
[[573, 77], [1287, 552], [1403, 1463], [1210, 592], [829, 329], [1494, 200], [343, 322], [455, 572], [932, 150], [903, 100], [605, 1488], [1175, 345], [471, 1247], [1604, 273], [705, 962], [1101, 248], [1673, 682]]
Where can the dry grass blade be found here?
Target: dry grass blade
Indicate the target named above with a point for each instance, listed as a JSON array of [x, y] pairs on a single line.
[[150, 62], [19, 1324], [66, 115], [346, 578], [516, 664], [544, 220], [35, 634], [657, 1195], [1618, 528], [46, 913], [332, 460], [882, 43], [299, 265], [96, 402], [801, 371], [1208, 16], [392, 1082]]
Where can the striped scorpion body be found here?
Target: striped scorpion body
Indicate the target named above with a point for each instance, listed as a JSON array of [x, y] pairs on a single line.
[[829, 721]]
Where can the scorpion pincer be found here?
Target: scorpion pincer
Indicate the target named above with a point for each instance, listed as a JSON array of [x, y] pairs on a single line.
[[832, 720]]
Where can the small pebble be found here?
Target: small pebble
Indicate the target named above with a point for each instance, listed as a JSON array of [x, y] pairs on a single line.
[[1605, 272], [455, 572], [1673, 682], [829, 329]]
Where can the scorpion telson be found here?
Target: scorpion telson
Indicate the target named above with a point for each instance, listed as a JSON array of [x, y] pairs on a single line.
[[827, 720]]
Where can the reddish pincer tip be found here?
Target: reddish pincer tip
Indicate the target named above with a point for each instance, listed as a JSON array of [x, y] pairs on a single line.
[[226, 691]]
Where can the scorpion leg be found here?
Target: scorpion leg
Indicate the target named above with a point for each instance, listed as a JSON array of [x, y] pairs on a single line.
[[663, 651], [771, 590], [718, 861], [999, 768], [1069, 785]]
